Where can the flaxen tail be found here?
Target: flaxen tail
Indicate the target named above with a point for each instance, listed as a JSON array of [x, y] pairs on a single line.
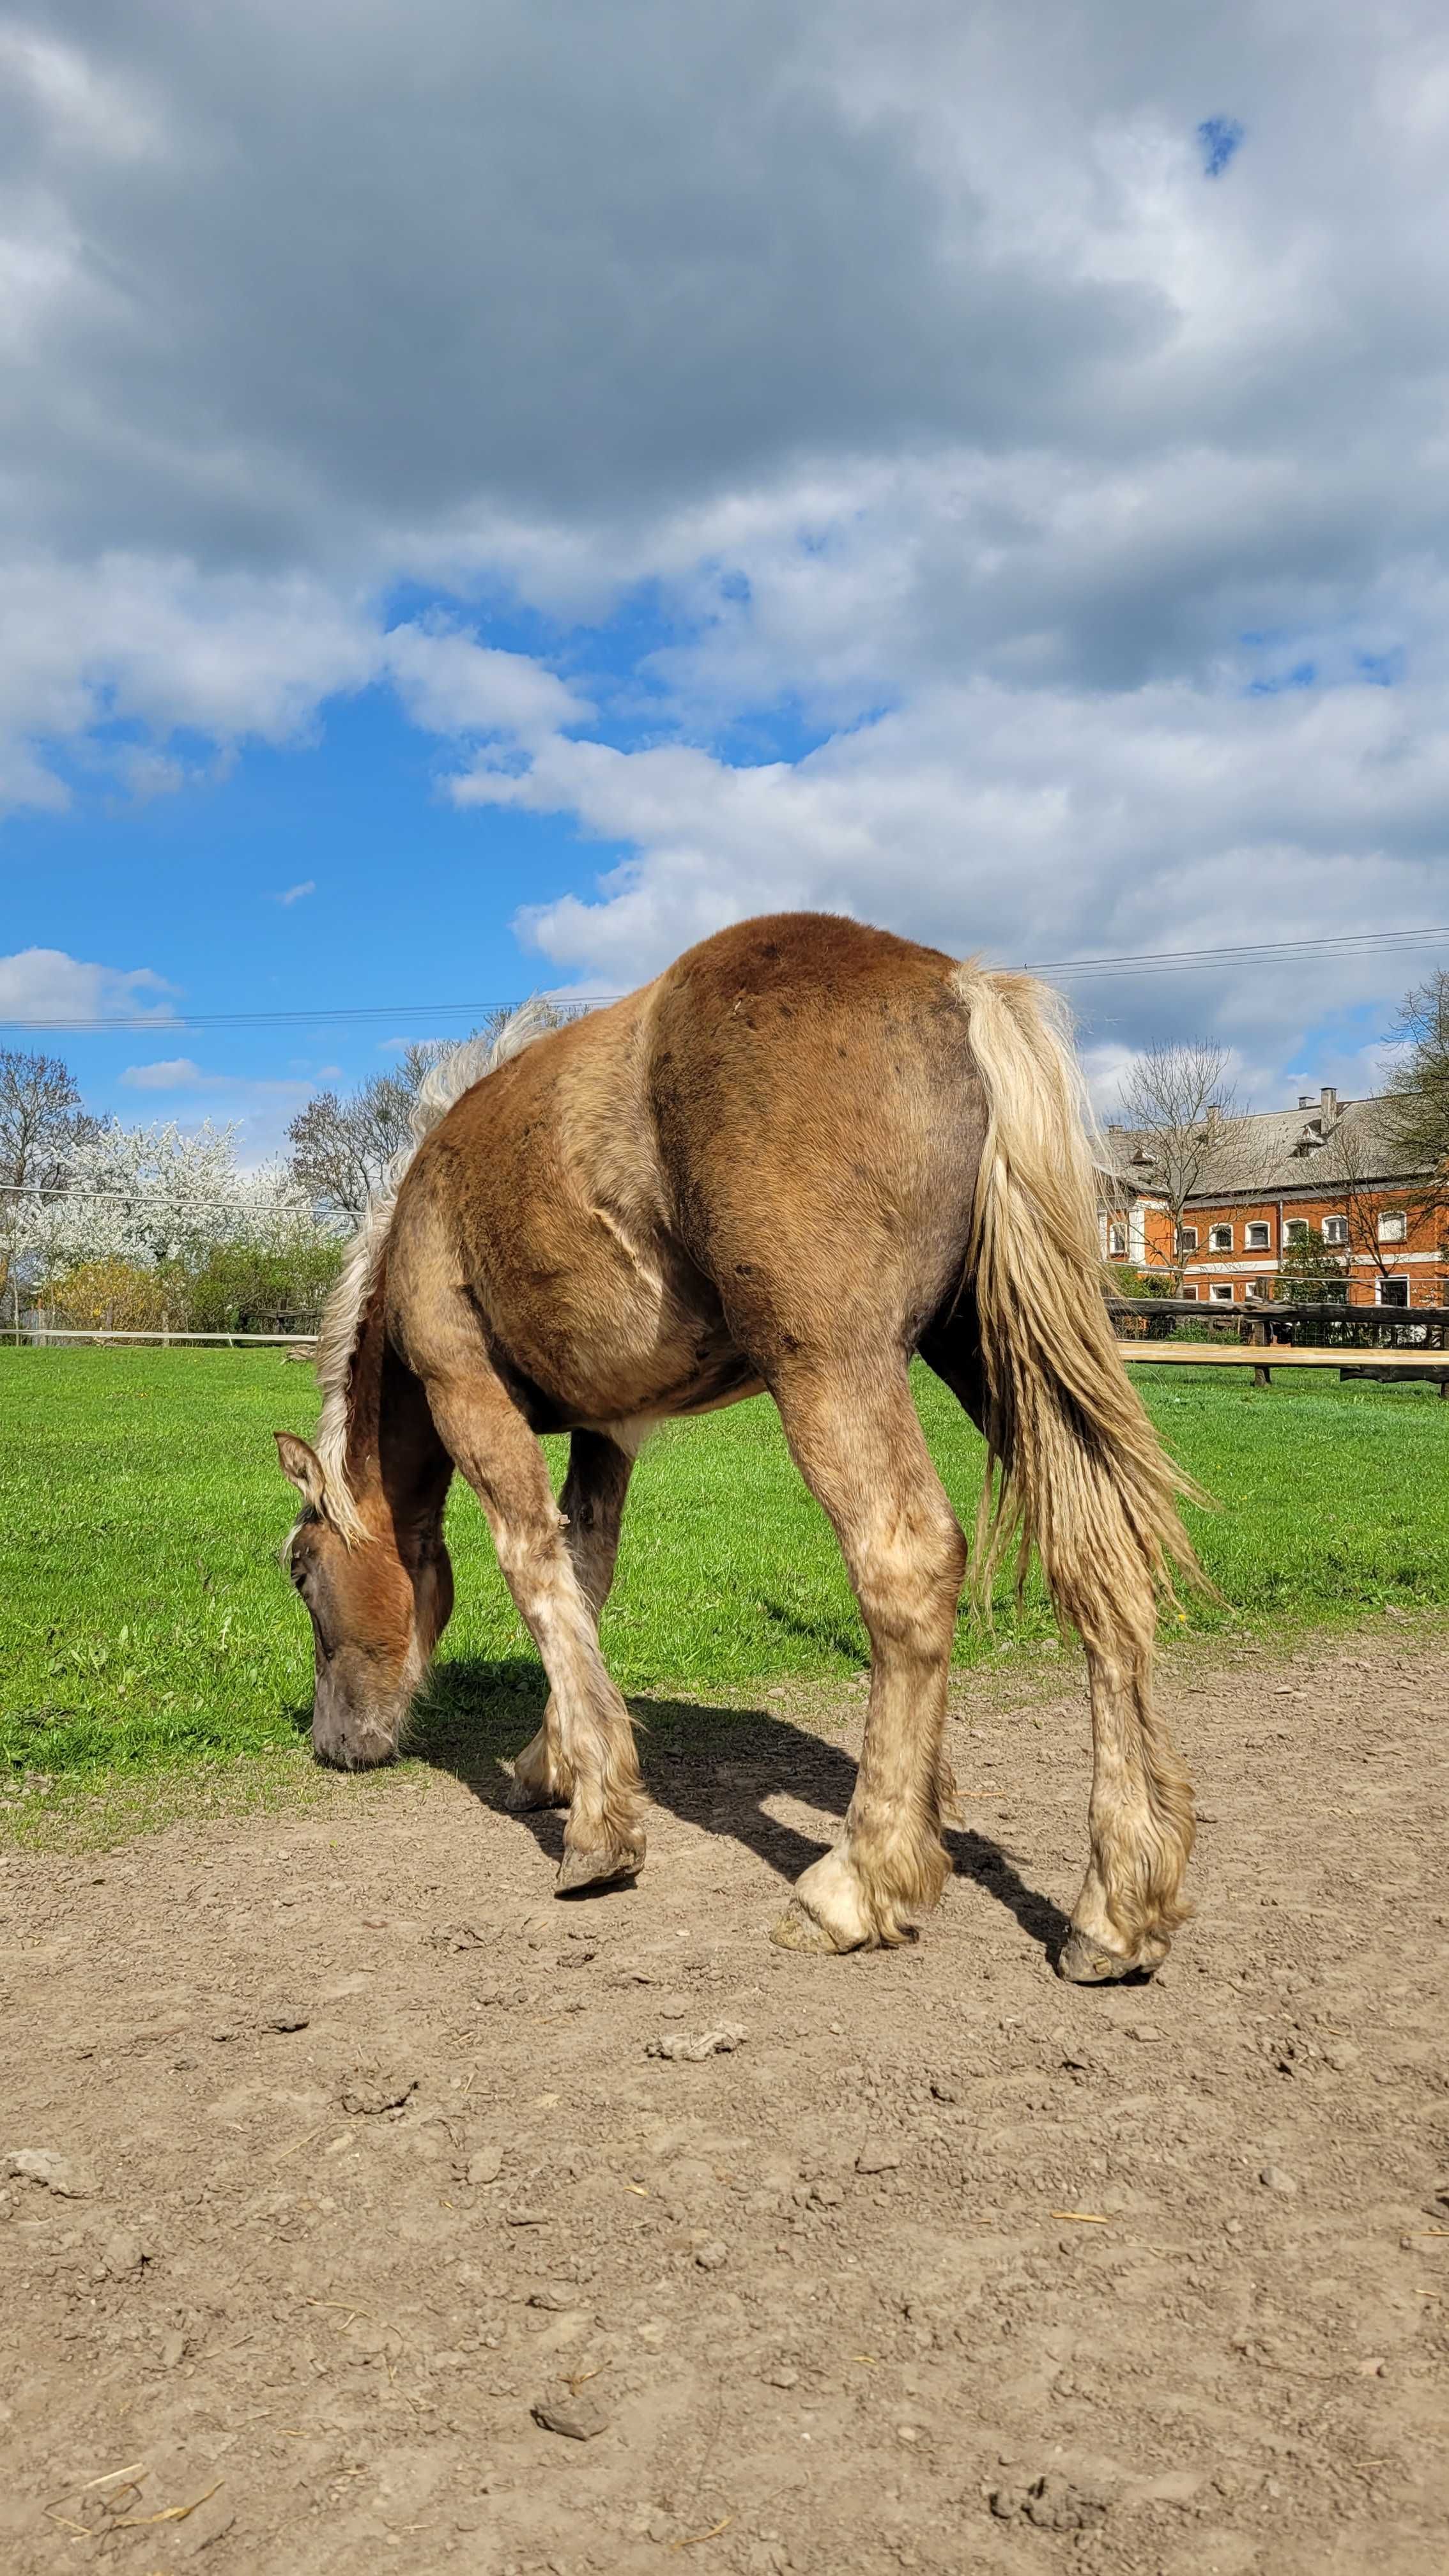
[[1081, 1472]]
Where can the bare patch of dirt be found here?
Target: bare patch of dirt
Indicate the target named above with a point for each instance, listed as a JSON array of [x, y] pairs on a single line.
[[357, 2198]]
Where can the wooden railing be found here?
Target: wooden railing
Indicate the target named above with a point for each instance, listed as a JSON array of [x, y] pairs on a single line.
[[1378, 1341]]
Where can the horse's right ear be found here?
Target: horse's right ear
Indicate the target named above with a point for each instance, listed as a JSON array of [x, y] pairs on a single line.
[[302, 1467]]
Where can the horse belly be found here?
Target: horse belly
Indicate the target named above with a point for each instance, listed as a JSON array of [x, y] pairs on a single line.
[[608, 1336]]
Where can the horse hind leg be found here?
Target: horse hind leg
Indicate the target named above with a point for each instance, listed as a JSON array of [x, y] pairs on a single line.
[[1140, 1816], [1140, 1821], [592, 1503], [856, 1439]]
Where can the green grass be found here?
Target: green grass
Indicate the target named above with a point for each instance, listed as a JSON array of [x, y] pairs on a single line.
[[145, 1623]]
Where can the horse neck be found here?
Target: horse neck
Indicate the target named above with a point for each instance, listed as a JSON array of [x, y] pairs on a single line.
[[397, 1467], [362, 1447]]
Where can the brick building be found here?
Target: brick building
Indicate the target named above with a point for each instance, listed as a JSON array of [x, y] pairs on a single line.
[[1330, 1170]]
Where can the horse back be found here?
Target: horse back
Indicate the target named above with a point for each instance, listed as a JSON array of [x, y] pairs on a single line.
[[818, 1123]]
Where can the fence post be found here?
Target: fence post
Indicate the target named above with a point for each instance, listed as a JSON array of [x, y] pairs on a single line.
[[1261, 1376]]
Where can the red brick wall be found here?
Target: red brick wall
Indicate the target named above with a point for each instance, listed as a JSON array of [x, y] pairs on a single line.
[[1417, 1260]]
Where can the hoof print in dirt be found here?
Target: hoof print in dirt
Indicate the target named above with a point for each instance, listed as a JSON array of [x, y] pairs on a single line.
[[286, 2017], [1050, 2503], [57, 2173], [877, 2156], [682, 2050], [371, 2095], [579, 2414], [483, 2166]]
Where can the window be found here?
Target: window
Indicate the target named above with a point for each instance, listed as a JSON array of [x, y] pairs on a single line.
[[1394, 1229], [1187, 1238], [1190, 1292], [1296, 1230], [1256, 1239], [1335, 1229], [1252, 1288], [1223, 1290], [1393, 1292], [1117, 1240], [1220, 1238]]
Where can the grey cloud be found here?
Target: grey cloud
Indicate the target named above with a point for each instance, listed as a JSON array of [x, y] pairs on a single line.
[[372, 264], [925, 320]]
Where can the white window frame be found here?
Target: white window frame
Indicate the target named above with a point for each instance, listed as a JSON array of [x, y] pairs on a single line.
[[1117, 1240], [1187, 1236], [1214, 1242], [1296, 1229], [1221, 1291], [1189, 1291], [1335, 1230], [1393, 1226], [1258, 1236], [1394, 1280]]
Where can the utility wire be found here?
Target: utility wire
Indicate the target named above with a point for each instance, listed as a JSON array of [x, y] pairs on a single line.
[[1147, 961]]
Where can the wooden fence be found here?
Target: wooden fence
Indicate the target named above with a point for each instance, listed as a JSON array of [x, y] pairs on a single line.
[[1375, 1341], [1384, 1342]]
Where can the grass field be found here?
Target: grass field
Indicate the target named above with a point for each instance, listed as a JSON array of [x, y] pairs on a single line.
[[145, 1623]]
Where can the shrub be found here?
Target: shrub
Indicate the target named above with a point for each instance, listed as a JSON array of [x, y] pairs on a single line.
[[246, 1288], [116, 1296]]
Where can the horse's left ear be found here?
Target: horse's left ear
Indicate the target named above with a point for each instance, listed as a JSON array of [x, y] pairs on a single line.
[[302, 1467]]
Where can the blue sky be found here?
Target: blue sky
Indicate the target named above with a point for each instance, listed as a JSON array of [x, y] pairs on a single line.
[[413, 903], [560, 487]]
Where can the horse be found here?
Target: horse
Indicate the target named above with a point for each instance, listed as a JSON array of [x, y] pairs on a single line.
[[806, 1152]]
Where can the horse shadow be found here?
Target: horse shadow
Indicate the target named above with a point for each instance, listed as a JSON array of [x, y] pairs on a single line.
[[711, 1766]]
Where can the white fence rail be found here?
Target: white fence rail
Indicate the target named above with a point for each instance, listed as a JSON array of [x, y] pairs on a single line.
[[43, 1333]]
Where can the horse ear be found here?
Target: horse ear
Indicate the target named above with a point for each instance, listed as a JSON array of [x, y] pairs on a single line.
[[301, 1466]]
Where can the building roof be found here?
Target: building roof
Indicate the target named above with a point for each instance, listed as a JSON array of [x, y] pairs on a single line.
[[1321, 1145]]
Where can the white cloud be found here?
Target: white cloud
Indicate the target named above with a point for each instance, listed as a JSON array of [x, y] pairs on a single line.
[[1040, 824], [450, 684], [256, 1109], [47, 985], [296, 893], [902, 372], [170, 1073]]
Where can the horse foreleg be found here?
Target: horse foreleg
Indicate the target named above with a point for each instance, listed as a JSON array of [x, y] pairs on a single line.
[[592, 1504], [590, 1739]]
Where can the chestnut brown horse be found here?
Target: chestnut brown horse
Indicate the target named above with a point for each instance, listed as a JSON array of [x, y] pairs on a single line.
[[804, 1153]]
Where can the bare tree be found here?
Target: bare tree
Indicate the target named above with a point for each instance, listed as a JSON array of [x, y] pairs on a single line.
[[1419, 1095], [42, 1122], [342, 1144], [1353, 1174], [1186, 1132]]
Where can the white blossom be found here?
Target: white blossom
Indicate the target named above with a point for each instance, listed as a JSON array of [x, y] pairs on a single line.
[[157, 1194]]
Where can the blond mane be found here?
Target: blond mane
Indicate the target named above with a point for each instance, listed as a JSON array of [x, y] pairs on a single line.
[[443, 1084]]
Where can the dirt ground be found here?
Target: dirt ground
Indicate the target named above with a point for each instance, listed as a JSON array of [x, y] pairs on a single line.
[[340, 2155]]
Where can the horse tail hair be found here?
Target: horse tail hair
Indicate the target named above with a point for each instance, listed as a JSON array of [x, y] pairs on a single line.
[[1074, 1464]]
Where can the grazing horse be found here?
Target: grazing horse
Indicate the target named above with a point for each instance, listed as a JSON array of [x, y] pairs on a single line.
[[804, 1153]]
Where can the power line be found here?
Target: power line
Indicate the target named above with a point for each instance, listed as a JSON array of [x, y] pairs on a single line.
[[1145, 961], [1158, 960], [152, 1025]]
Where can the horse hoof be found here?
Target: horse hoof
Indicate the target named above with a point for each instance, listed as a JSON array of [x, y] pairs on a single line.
[[611, 1867], [1085, 1962], [799, 1929]]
